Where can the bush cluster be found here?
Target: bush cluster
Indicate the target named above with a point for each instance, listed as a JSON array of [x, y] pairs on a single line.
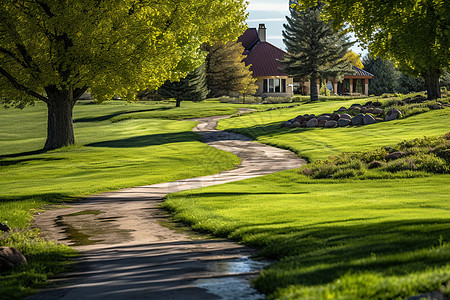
[[412, 158]]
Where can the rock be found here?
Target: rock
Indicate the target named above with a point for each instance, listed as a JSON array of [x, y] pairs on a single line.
[[356, 109], [299, 119], [10, 257], [437, 106], [4, 227], [376, 164], [370, 110], [322, 123], [346, 116], [330, 123], [394, 155], [378, 120], [355, 105], [364, 110], [342, 109], [377, 104], [368, 119], [335, 117], [342, 122], [377, 111], [286, 124], [312, 123], [368, 104], [436, 295], [358, 119], [393, 114], [323, 118], [296, 125]]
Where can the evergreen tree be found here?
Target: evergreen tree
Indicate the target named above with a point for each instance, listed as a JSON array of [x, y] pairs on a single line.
[[386, 76], [408, 84], [226, 73], [315, 49], [191, 88]]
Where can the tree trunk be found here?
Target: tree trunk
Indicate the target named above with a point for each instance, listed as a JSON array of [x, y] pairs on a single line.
[[178, 102], [432, 84], [313, 92], [59, 123]]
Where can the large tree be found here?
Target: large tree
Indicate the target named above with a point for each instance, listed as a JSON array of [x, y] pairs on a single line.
[[386, 76], [315, 49], [53, 50], [226, 73], [191, 88], [415, 34]]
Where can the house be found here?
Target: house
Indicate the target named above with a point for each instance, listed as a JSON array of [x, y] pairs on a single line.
[[264, 59]]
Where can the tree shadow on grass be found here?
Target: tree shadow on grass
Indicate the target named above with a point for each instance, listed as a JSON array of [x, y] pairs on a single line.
[[51, 198], [315, 255], [6, 163], [119, 113], [149, 140], [26, 153]]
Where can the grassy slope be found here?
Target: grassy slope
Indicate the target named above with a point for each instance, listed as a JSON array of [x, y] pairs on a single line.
[[334, 239], [109, 156], [319, 143]]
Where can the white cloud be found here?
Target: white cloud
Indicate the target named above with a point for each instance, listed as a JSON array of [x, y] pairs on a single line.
[[267, 20]]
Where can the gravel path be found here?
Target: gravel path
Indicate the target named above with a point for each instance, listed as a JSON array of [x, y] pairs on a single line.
[[127, 253]]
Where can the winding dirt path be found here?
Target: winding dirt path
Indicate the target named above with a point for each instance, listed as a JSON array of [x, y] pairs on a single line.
[[127, 253]]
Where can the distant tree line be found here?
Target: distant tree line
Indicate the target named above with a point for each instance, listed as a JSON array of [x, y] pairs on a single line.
[[389, 79]]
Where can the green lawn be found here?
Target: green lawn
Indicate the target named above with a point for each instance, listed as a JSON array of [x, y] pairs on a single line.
[[334, 238], [319, 143], [141, 149]]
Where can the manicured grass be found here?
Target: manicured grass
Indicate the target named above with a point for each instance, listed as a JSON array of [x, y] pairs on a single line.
[[319, 143], [347, 239], [364, 237], [109, 155]]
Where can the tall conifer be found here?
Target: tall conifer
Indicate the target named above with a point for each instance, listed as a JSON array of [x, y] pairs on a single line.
[[315, 49], [191, 88]]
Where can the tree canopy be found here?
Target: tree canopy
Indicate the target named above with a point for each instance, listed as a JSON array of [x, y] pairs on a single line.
[[354, 59], [414, 34], [226, 73], [54, 50], [315, 49]]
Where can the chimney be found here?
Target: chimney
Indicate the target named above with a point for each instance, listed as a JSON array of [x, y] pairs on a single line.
[[262, 32]]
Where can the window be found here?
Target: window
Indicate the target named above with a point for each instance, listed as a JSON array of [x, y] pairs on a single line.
[[274, 85], [270, 85], [277, 85]]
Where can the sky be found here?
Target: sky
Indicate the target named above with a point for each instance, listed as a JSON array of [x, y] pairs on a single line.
[[273, 13]]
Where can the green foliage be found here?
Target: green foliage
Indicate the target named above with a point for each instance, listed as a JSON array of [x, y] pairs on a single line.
[[54, 51], [191, 88], [226, 73], [315, 49], [422, 155], [386, 76], [413, 33]]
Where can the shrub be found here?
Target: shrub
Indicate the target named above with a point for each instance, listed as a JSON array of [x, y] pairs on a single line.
[[400, 164], [430, 163], [273, 100]]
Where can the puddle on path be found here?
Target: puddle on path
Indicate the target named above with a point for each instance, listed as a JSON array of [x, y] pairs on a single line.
[[232, 287], [88, 228]]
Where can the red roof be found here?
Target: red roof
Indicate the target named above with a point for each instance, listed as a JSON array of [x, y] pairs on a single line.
[[264, 60], [249, 38]]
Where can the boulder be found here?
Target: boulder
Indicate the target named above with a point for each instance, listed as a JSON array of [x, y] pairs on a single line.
[[342, 109], [335, 117], [286, 124], [356, 109], [299, 119], [378, 120], [323, 118], [296, 125], [4, 227], [377, 111], [393, 114], [322, 123], [355, 105], [358, 119], [437, 106], [394, 155], [368, 119], [330, 124], [312, 123], [10, 257], [346, 116], [370, 110], [342, 122], [376, 164]]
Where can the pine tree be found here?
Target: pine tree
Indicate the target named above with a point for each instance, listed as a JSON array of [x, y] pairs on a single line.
[[191, 88], [226, 73], [386, 76], [315, 49]]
